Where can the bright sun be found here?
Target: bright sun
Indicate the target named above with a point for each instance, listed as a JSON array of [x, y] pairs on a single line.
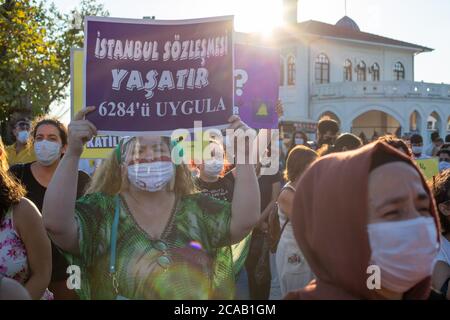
[[259, 16]]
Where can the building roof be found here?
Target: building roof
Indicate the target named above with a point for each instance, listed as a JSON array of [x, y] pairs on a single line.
[[347, 22], [346, 28]]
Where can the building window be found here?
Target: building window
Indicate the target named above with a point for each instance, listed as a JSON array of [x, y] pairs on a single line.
[[322, 69], [281, 72], [348, 70], [361, 71], [375, 71], [291, 71], [399, 71]]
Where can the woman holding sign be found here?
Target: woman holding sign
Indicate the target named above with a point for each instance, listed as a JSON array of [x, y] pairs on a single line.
[[141, 232]]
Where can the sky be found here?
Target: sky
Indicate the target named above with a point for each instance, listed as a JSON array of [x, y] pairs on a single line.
[[423, 22]]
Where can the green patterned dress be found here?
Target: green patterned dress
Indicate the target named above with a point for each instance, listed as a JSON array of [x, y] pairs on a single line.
[[197, 227]]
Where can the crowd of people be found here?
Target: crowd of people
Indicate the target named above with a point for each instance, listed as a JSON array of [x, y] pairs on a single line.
[[142, 227]]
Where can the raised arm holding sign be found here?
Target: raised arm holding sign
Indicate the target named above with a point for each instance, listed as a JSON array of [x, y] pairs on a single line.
[[140, 178]]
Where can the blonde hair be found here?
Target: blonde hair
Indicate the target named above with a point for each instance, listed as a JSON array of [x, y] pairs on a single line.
[[3, 157], [106, 179]]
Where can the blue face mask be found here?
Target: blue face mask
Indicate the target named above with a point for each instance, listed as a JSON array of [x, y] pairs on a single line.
[[417, 149], [444, 165], [23, 136]]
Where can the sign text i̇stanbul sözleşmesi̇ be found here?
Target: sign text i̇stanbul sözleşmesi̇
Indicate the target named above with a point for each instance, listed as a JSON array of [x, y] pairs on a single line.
[[148, 76]]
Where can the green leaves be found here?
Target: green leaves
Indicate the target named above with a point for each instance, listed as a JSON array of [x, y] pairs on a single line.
[[35, 43]]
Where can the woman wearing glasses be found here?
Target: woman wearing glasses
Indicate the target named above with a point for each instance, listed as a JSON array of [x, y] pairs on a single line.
[[141, 232]]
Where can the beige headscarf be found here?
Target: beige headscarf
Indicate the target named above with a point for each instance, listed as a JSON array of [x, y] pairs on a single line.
[[330, 224]]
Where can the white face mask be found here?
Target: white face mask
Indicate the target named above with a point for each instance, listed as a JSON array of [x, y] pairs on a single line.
[[213, 167], [405, 251], [152, 176], [299, 141], [23, 136], [417, 149], [47, 152], [265, 161]]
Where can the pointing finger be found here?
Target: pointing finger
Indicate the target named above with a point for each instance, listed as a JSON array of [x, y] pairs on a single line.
[[80, 115]]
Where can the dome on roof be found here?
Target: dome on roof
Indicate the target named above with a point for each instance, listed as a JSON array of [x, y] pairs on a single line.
[[347, 22]]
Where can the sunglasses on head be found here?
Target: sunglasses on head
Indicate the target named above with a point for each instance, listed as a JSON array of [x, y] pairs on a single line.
[[23, 125]]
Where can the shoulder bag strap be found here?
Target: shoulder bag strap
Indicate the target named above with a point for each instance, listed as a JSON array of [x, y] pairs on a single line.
[[287, 186], [112, 259]]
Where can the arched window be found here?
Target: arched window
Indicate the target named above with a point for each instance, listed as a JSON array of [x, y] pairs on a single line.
[[399, 71], [348, 72], [322, 69], [361, 71], [281, 72], [291, 71], [375, 71]]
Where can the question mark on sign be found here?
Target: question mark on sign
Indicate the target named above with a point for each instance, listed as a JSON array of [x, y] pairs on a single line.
[[241, 78]]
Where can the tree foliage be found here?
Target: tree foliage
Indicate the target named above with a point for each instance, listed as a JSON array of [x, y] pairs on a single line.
[[35, 43]]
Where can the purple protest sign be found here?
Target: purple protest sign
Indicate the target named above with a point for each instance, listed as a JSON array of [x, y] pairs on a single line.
[[152, 77], [257, 75]]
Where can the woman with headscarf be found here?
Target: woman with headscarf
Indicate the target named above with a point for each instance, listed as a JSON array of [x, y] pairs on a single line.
[[375, 234]]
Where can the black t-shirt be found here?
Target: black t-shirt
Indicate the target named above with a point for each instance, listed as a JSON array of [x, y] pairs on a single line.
[[36, 193], [221, 189], [265, 188]]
